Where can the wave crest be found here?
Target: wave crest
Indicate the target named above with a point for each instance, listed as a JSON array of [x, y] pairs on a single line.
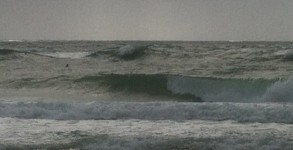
[[131, 51], [280, 91]]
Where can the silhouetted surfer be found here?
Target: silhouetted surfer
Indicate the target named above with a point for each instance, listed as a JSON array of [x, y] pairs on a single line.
[[67, 66]]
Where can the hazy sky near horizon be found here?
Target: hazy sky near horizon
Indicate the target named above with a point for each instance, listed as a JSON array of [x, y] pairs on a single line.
[[146, 19]]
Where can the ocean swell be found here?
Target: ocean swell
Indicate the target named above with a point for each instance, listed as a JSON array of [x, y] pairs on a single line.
[[7, 54], [182, 88]]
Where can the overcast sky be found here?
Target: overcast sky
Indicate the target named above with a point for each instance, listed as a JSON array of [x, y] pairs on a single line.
[[146, 19]]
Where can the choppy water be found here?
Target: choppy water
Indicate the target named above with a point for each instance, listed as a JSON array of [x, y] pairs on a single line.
[[142, 95]]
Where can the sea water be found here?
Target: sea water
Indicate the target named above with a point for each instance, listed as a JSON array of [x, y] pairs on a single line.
[[146, 95]]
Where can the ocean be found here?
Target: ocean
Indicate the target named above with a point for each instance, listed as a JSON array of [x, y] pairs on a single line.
[[164, 95]]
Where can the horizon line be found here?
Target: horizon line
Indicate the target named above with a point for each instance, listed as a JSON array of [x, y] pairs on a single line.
[[23, 40]]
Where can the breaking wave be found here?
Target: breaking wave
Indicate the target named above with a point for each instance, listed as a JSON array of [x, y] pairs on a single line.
[[241, 112], [289, 55], [182, 88], [280, 91], [131, 51], [220, 90], [127, 52]]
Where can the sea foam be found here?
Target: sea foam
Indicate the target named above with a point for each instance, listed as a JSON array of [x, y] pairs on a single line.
[[241, 112]]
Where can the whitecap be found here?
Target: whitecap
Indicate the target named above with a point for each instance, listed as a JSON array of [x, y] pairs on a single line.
[[72, 55], [280, 91], [289, 55]]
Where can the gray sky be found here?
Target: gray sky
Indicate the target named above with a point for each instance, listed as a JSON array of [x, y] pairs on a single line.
[[146, 19]]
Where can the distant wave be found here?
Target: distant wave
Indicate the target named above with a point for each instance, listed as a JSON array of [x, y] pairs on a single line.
[[285, 54], [289, 55], [131, 51], [11, 41], [7, 51], [127, 52], [72, 55], [7, 54], [110, 52]]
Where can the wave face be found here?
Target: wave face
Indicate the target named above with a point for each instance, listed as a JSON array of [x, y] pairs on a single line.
[[155, 85], [6, 51], [7, 54], [158, 87]]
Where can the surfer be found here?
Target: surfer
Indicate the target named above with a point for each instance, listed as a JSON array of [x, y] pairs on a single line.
[[67, 67]]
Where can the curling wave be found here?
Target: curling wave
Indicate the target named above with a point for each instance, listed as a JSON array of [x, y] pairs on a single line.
[[181, 88]]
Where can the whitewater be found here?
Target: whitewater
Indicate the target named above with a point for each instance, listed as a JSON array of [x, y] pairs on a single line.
[[146, 95]]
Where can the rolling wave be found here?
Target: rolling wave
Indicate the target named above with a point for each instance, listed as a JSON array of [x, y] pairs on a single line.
[[7, 51], [7, 54], [195, 88], [182, 88], [155, 85]]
